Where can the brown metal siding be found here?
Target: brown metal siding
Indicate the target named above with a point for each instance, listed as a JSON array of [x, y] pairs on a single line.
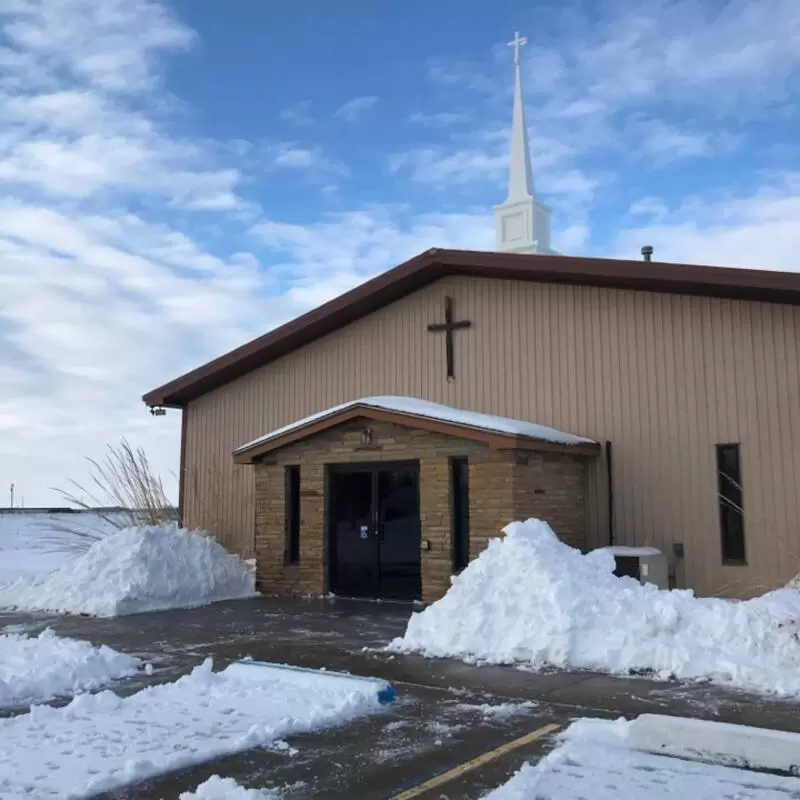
[[664, 377]]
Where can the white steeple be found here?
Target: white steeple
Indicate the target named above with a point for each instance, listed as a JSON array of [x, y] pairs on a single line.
[[522, 224]]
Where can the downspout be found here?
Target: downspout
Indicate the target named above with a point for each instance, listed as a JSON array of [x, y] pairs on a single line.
[[610, 478]]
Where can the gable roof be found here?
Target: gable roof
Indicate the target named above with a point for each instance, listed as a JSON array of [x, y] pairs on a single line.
[[496, 432], [433, 265]]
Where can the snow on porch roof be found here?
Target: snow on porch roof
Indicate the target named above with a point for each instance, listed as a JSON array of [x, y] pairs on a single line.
[[455, 421]]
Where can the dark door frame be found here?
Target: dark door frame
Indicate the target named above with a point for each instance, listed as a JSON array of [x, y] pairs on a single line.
[[373, 467]]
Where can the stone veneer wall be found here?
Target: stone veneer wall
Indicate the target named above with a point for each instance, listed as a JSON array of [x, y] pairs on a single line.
[[504, 485], [552, 487]]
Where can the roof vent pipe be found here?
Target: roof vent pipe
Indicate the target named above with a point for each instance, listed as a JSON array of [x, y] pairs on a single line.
[[647, 252]]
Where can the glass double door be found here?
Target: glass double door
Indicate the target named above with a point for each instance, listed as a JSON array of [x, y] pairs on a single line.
[[374, 531]]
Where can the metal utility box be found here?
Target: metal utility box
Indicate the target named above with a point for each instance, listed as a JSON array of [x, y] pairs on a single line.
[[644, 564]]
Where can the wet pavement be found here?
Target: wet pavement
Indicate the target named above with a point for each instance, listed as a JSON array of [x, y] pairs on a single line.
[[440, 720]]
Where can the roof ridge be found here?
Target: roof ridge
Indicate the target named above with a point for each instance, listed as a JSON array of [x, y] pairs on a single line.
[[434, 264]]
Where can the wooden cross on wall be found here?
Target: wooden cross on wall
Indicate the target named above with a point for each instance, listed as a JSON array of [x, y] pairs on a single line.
[[448, 326]]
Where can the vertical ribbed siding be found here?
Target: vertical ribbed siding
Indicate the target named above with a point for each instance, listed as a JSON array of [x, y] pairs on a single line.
[[663, 377]]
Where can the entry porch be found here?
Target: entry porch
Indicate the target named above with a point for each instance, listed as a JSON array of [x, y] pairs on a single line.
[[389, 497]]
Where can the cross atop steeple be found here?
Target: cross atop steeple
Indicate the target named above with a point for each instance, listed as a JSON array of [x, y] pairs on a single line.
[[523, 224], [520, 181], [517, 42]]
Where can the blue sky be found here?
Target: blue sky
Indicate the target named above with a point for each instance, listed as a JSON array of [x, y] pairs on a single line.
[[181, 176]]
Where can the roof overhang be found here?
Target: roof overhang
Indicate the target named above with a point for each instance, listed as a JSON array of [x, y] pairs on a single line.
[[433, 265], [249, 454]]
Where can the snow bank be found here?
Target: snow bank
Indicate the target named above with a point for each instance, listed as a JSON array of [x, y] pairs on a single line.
[[37, 669], [101, 742], [531, 599], [597, 759], [138, 569], [216, 788]]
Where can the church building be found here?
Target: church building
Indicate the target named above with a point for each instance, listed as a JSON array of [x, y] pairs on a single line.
[[372, 446]]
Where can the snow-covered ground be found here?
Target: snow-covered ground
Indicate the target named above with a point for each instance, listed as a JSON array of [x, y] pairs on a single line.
[[100, 742], [34, 669], [498, 711], [601, 760], [34, 543], [132, 571], [216, 788], [530, 599]]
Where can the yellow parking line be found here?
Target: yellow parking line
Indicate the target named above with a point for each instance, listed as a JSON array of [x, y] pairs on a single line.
[[479, 761]]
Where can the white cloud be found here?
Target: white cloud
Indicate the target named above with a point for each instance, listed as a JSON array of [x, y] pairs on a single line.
[[289, 156], [96, 302], [293, 156], [667, 143], [758, 230], [86, 165], [356, 245], [271, 155], [439, 119], [679, 51], [69, 111], [444, 167], [344, 249], [298, 114], [662, 143], [94, 310], [74, 105], [453, 73], [571, 239], [573, 187], [310, 162], [355, 109], [584, 107], [650, 206], [110, 46]]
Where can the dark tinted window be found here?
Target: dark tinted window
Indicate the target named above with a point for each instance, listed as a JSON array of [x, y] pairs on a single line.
[[459, 482], [731, 508], [292, 499]]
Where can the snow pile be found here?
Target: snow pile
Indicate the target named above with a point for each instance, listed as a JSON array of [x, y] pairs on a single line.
[[101, 742], [599, 759], [138, 569], [531, 599], [216, 788], [37, 669]]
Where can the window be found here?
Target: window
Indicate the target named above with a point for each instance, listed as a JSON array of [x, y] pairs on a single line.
[[731, 513], [292, 501], [459, 507]]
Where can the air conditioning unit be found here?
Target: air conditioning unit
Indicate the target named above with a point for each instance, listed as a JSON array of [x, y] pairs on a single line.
[[644, 564]]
